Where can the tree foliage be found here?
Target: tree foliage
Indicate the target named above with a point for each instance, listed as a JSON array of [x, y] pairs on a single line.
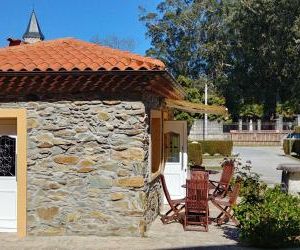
[[247, 50], [175, 32], [195, 93], [191, 88], [287, 109], [250, 111], [265, 51]]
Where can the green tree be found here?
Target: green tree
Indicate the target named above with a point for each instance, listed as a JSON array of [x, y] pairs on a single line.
[[247, 50], [251, 111], [191, 87], [176, 35], [265, 61], [191, 38], [195, 93], [288, 109], [179, 33]]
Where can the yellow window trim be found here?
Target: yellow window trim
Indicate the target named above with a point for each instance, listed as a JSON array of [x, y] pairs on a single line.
[[20, 115]]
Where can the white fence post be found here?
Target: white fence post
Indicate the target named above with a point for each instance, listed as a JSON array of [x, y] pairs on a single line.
[[259, 125], [240, 124], [298, 119], [250, 125], [279, 123]]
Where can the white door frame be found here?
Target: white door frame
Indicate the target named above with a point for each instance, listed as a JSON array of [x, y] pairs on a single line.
[[21, 161], [10, 187], [179, 192]]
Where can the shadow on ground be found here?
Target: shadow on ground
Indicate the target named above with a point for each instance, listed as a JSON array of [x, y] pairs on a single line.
[[214, 247], [218, 247]]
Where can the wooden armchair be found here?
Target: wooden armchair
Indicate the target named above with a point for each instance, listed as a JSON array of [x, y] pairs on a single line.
[[221, 187], [176, 206], [196, 204], [225, 206]]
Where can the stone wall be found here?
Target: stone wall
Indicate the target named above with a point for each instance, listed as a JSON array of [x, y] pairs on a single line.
[[88, 170], [263, 138]]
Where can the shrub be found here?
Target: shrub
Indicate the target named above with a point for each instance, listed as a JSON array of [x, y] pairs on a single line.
[[291, 145], [195, 153], [268, 217], [212, 147], [251, 185], [296, 147], [271, 219]]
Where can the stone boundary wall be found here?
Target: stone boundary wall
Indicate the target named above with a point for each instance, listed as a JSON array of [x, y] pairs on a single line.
[[88, 170], [263, 138], [244, 137]]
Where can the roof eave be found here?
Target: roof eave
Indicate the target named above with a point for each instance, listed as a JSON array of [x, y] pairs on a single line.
[[175, 84], [178, 91]]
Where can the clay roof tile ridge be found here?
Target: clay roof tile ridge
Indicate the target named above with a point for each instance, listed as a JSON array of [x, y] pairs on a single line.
[[71, 51]]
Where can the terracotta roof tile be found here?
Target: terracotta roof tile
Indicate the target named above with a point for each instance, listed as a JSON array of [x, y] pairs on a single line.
[[70, 53]]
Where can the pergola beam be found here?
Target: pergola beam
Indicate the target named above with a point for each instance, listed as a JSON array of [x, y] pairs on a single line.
[[196, 107]]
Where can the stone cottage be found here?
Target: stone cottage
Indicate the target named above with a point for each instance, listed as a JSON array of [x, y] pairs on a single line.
[[85, 131], [79, 115]]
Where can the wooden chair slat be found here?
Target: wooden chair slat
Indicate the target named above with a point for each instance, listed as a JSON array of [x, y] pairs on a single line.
[[221, 187], [196, 205]]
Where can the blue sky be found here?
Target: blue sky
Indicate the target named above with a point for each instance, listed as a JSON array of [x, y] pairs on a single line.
[[77, 18]]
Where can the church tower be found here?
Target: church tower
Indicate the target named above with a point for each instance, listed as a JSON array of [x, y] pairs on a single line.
[[33, 32]]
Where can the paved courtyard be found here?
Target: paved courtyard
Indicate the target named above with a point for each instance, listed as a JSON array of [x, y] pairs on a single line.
[[171, 236], [265, 161]]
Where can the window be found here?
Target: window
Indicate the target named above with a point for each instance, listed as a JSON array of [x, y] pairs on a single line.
[[7, 156], [156, 141], [172, 149]]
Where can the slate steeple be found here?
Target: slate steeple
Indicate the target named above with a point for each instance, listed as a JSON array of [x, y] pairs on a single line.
[[33, 32]]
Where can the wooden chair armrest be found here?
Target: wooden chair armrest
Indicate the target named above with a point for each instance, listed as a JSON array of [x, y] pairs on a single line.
[[211, 186]]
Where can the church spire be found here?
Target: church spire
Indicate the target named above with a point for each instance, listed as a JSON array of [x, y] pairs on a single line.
[[33, 32]]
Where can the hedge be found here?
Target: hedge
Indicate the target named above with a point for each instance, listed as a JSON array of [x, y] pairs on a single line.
[[286, 146], [195, 153], [296, 147], [293, 143], [212, 147]]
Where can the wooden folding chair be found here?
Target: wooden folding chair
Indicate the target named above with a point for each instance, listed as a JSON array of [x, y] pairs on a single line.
[[221, 187], [196, 204], [198, 174], [226, 206], [176, 206]]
